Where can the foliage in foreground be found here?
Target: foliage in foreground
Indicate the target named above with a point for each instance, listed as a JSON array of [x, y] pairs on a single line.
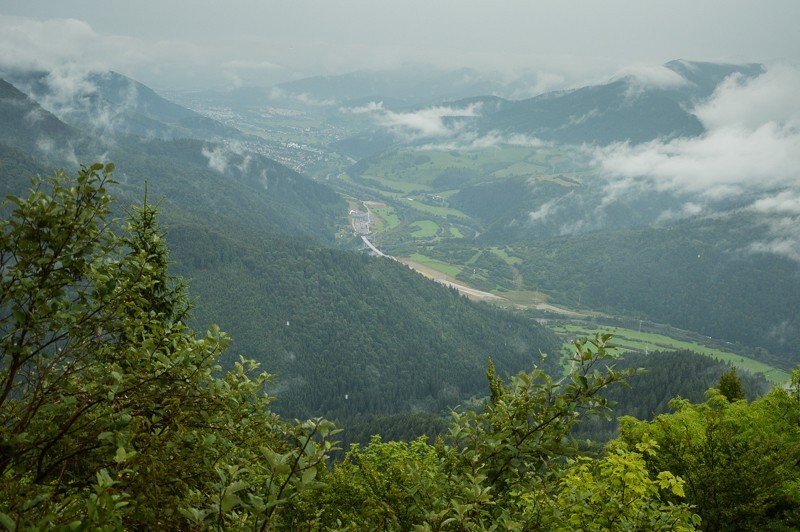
[[740, 461], [510, 467], [114, 415]]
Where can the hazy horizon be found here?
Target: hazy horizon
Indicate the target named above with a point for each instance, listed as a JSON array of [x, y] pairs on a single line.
[[245, 43]]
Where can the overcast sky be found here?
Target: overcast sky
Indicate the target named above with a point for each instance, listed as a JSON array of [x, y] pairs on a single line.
[[201, 43]]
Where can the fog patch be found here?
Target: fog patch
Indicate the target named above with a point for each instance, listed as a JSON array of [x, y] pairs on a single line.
[[304, 98], [371, 107], [471, 141], [217, 158], [780, 213], [785, 202], [687, 210], [429, 122], [50, 149], [545, 211], [641, 77]]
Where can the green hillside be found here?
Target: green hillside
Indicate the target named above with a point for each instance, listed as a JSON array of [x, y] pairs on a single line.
[[697, 274], [348, 333]]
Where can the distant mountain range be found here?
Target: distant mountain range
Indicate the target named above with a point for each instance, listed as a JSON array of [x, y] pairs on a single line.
[[398, 89], [625, 109], [628, 108]]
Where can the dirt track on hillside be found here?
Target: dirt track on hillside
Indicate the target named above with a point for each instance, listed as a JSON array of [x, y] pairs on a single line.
[[472, 293]]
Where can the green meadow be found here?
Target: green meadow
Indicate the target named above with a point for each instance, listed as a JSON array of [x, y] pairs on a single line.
[[632, 340], [426, 229]]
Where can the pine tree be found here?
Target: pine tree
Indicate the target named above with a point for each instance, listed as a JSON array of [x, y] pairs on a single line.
[[730, 385]]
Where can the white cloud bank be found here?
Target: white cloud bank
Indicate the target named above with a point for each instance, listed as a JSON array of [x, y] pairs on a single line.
[[430, 122], [751, 145], [752, 142]]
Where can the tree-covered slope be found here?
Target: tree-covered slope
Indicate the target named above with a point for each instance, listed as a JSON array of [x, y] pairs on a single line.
[[348, 333], [110, 103], [221, 184], [597, 114], [667, 375], [27, 134], [624, 109], [700, 274], [23, 122], [213, 181]]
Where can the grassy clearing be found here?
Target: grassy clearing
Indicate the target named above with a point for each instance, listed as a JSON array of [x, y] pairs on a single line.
[[447, 269], [420, 168], [520, 169], [388, 216], [406, 187], [433, 209], [455, 232], [631, 340], [503, 254], [427, 229], [525, 298]]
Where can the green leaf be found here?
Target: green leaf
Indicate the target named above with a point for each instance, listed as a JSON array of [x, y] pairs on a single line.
[[121, 455], [7, 522], [230, 500]]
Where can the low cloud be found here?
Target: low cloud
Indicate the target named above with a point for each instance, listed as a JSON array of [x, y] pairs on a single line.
[[786, 202], [371, 107], [773, 97], [469, 141], [752, 142], [32, 44], [782, 239], [641, 77], [781, 215], [722, 163], [230, 155], [304, 98], [70, 93], [217, 158], [687, 210], [49, 148], [430, 122], [544, 211]]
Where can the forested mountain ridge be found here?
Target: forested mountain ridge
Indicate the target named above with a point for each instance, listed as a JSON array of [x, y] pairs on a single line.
[[111, 103], [630, 107], [699, 274], [626, 109], [220, 182], [347, 333]]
